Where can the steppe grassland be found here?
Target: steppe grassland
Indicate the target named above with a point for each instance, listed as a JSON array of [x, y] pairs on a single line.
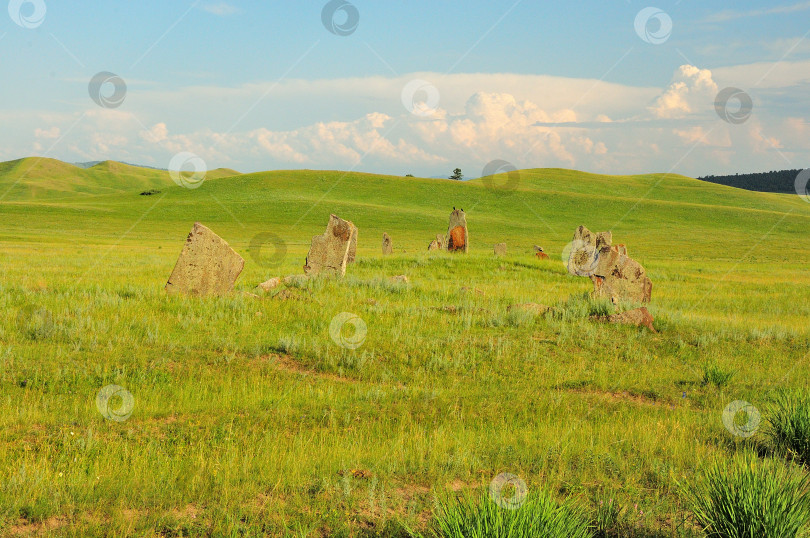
[[248, 416]]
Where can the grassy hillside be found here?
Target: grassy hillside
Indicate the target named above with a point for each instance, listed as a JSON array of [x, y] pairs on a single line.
[[250, 419], [44, 179]]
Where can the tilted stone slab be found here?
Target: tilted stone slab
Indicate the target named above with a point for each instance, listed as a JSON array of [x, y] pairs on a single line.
[[329, 253], [207, 265]]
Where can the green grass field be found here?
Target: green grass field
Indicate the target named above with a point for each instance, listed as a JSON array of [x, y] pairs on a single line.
[[249, 419]]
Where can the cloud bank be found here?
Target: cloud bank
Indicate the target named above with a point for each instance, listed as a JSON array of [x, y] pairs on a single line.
[[530, 121]]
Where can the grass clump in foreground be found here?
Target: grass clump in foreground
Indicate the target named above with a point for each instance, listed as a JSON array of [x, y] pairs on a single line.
[[715, 375], [789, 422], [481, 517], [749, 498]]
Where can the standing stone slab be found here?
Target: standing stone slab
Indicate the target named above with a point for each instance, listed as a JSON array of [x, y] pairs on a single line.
[[457, 237], [207, 265], [500, 249], [329, 253], [387, 247]]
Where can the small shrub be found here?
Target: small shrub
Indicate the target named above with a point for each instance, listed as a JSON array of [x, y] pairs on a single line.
[[789, 425], [713, 374], [539, 515], [750, 498]]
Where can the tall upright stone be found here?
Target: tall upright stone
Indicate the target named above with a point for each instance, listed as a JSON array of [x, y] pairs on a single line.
[[457, 237], [207, 265], [329, 253], [387, 247]]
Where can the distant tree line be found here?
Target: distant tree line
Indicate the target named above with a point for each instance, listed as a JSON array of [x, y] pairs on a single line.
[[783, 181]]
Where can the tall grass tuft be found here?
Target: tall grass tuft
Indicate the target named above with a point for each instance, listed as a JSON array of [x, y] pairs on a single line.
[[539, 515], [789, 425], [714, 375], [608, 518], [583, 305], [750, 498]]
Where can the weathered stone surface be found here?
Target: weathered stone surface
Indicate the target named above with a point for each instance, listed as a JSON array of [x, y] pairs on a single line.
[[438, 243], [500, 249], [457, 238], [352, 246], [614, 274], [207, 265], [533, 308], [270, 284], [582, 259], [330, 252], [640, 317], [387, 246]]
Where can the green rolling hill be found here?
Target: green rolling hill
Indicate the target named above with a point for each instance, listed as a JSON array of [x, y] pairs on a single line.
[[662, 216]]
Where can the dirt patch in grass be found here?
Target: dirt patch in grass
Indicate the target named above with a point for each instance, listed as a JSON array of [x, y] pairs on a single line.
[[38, 528], [287, 363], [619, 396]]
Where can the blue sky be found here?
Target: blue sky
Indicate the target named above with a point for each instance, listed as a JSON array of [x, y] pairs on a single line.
[[258, 85]]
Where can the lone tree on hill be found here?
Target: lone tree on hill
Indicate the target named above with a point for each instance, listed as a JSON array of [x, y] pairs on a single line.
[[457, 175]]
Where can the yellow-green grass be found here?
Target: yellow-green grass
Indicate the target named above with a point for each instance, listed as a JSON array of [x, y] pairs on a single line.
[[249, 418]]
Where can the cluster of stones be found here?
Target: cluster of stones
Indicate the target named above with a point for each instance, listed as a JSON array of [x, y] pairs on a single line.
[[207, 265], [457, 237], [613, 272]]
